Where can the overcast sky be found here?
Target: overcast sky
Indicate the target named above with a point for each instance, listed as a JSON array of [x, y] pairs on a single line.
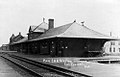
[[17, 15]]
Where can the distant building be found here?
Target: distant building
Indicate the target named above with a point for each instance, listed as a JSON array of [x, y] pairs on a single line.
[[14, 39], [112, 47], [5, 47]]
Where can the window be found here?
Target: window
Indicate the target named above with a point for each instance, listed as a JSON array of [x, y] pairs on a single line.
[[113, 49], [44, 45], [110, 49], [112, 43]]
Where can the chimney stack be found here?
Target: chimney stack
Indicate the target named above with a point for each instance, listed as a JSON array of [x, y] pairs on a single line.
[[19, 33], [51, 23]]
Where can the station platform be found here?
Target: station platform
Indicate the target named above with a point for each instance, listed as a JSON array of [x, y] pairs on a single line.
[[6, 70], [75, 64]]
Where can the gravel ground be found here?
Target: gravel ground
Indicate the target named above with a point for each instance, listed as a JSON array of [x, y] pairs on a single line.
[[18, 69]]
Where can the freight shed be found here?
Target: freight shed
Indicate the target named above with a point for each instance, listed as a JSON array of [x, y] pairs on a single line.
[[70, 40]]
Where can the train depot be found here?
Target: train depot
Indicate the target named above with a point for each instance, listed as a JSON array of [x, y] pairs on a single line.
[[69, 40], [72, 48]]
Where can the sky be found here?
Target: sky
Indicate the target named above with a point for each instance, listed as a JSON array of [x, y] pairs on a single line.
[[17, 15]]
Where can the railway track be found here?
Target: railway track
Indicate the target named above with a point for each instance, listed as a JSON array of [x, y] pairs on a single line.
[[39, 69]]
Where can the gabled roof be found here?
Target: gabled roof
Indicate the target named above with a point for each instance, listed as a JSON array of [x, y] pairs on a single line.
[[32, 27], [13, 36], [43, 25], [17, 37], [22, 40], [40, 28], [72, 30]]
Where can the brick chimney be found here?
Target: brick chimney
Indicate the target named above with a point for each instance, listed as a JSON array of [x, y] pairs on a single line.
[[51, 23], [19, 33]]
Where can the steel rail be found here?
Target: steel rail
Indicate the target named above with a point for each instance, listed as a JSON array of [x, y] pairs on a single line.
[[34, 73], [56, 69]]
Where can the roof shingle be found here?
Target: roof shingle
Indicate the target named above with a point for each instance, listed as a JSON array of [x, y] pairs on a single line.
[[72, 30], [40, 28]]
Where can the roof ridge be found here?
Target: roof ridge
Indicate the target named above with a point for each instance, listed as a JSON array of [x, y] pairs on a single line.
[[96, 31], [93, 30], [60, 26], [36, 27], [39, 25], [67, 28]]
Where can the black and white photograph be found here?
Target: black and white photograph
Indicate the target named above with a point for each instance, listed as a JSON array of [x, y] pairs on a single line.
[[59, 38]]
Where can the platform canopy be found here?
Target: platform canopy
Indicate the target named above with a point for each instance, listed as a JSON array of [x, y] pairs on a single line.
[[72, 30]]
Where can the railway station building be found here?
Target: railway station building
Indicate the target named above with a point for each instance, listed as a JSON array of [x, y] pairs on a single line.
[[69, 40]]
